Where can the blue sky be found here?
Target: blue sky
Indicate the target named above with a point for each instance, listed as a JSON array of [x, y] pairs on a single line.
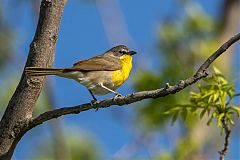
[[82, 35]]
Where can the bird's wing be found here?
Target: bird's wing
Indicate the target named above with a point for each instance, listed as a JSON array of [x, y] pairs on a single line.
[[98, 63]]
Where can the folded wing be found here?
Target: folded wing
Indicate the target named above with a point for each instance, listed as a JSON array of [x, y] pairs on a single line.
[[98, 63]]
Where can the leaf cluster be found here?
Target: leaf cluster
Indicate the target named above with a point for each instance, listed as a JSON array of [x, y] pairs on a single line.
[[213, 99]]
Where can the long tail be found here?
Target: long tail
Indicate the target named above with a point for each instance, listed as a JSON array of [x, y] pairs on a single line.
[[36, 71]]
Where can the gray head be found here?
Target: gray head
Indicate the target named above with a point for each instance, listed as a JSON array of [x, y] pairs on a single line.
[[120, 50]]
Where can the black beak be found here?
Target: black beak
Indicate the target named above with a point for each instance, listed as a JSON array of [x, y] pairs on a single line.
[[132, 53]]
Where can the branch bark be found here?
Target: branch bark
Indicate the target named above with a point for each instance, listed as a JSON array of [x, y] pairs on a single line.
[[138, 96], [41, 53], [227, 131]]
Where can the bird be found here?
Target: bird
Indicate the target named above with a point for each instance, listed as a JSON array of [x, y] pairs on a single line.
[[101, 74]]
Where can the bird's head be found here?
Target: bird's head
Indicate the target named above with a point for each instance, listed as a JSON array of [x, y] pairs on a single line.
[[120, 51]]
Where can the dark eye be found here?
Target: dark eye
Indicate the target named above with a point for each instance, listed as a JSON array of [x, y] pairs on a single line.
[[123, 52]]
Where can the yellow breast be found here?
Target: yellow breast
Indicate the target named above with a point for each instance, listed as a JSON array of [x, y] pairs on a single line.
[[120, 76]]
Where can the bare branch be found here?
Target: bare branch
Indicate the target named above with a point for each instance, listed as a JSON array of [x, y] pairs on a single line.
[[227, 131], [138, 96], [221, 50], [237, 94]]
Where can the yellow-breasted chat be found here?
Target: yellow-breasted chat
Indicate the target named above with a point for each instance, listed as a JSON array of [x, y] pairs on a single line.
[[101, 74]]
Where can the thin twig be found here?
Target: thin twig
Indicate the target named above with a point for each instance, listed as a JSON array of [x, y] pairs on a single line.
[[237, 94], [138, 96], [227, 132]]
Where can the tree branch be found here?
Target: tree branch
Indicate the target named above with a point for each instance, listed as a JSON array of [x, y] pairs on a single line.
[[237, 94], [227, 131], [138, 96], [41, 54]]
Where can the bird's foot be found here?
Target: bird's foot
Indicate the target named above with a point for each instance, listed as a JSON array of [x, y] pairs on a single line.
[[118, 95], [119, 101], [93, 103]]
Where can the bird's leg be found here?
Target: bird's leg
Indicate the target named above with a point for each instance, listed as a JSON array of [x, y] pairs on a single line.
[[94, 99], [116, 93]]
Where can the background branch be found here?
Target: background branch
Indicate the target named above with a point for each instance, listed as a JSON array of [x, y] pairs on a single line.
[[138, 96]]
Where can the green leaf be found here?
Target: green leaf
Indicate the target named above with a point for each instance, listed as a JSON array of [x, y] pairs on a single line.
[[171, 110], [215, 114], [210, 98], [236, 109], [202, 113], [215, 97], [174, 117], [208, 93], [219, 123], [184, 113], [216, 70], [194, 94], [193, 109], [231, 93], [210, 120], [229, 119], [223, 99]]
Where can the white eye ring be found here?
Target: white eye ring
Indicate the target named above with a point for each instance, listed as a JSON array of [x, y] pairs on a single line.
[[123, 51]]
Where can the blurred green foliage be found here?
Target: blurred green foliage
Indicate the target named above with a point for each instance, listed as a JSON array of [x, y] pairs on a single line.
[[6, 39], [8, 87], [182, 46], [7, 84], [185, 42], [181, 152], [80, 146]]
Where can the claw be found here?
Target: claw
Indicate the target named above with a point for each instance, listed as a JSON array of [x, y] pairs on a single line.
[[93, 102], [118, 95]]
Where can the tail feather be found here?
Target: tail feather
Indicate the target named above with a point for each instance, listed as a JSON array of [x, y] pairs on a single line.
[[36, 71]]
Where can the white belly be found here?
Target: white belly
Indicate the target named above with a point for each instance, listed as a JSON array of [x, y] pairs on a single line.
[[90, 83]]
